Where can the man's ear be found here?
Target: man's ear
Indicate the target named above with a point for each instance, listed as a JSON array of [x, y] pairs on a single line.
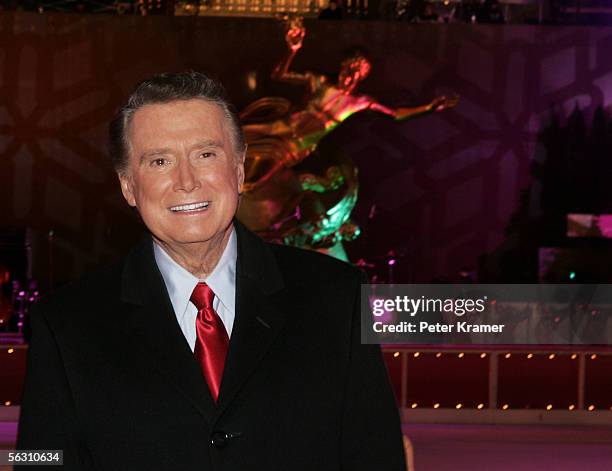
[[127, 188], [240, 169]]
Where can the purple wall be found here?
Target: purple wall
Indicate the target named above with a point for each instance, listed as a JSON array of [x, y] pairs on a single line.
[[444, 186]]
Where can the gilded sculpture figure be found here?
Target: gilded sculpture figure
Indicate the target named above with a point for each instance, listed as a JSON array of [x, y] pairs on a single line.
[[285, 200]]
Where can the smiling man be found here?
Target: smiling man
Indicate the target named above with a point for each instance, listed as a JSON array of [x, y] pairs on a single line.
[[206, 348]]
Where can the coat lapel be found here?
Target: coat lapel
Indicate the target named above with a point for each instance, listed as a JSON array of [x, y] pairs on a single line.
[[152, 325], [258, 320]]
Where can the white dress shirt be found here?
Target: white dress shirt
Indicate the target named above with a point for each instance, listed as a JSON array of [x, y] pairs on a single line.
[[180, 284]]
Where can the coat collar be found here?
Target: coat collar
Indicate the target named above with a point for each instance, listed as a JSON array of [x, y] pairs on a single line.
[[152, 324], [255, 263]]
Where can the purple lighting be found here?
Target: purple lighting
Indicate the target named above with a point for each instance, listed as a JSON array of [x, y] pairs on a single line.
[[392, 262]]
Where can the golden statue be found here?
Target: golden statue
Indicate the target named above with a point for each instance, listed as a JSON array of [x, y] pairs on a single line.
[[283, 199]]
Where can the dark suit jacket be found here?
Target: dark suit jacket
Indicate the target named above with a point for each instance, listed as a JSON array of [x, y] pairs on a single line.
[[113, 383]]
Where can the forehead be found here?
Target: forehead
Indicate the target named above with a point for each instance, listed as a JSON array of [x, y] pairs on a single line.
[[176, 122]]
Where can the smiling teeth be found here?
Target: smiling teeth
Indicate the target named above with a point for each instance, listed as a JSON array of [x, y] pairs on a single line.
[[190, 207]]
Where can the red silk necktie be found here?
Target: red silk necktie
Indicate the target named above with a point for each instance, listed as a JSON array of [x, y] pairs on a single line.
[[211, 338]]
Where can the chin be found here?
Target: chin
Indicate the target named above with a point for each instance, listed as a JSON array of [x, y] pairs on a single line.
[[197, 236], [194, 238]]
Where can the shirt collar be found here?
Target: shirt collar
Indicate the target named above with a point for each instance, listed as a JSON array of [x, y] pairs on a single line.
[[223, 278], [180, 283]]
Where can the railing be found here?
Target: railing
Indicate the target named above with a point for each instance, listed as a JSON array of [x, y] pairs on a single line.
[[307, 8], [489, 409]]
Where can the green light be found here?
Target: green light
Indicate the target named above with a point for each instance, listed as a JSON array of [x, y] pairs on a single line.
[[572, 275]]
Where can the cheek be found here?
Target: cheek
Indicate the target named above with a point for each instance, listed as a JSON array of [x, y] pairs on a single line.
[[151, 190], [225, 181]]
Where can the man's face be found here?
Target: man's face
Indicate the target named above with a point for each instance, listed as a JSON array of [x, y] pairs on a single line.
[[183, 174]]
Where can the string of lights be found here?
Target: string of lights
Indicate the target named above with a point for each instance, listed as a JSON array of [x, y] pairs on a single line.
[[572, 364]]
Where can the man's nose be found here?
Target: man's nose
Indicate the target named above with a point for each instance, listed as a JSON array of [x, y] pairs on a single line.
[[186, 177]]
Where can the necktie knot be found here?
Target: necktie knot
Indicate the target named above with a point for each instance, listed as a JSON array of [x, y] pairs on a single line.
[[202, 296]]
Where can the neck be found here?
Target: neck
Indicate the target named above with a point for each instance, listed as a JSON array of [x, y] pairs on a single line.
[[198, 258]]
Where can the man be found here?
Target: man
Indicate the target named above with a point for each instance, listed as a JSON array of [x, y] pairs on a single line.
[[206, 349]]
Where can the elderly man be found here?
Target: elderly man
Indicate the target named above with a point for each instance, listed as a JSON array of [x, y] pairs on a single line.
[[206, 348]]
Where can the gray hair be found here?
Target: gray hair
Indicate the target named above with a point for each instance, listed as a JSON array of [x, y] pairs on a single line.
[[165, 88]]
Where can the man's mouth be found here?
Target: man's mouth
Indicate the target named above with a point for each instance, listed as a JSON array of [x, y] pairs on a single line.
[[192, 207]]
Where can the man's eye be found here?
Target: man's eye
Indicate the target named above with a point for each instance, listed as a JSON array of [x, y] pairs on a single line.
[[207, 154], [158, 162]]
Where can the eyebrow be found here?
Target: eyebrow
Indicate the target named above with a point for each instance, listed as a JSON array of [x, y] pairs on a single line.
[[207, 143], [154, 152], [166, 150]]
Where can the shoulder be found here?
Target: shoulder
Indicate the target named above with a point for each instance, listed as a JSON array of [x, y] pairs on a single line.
[[300, 265], [84, 297], [319, 291]]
